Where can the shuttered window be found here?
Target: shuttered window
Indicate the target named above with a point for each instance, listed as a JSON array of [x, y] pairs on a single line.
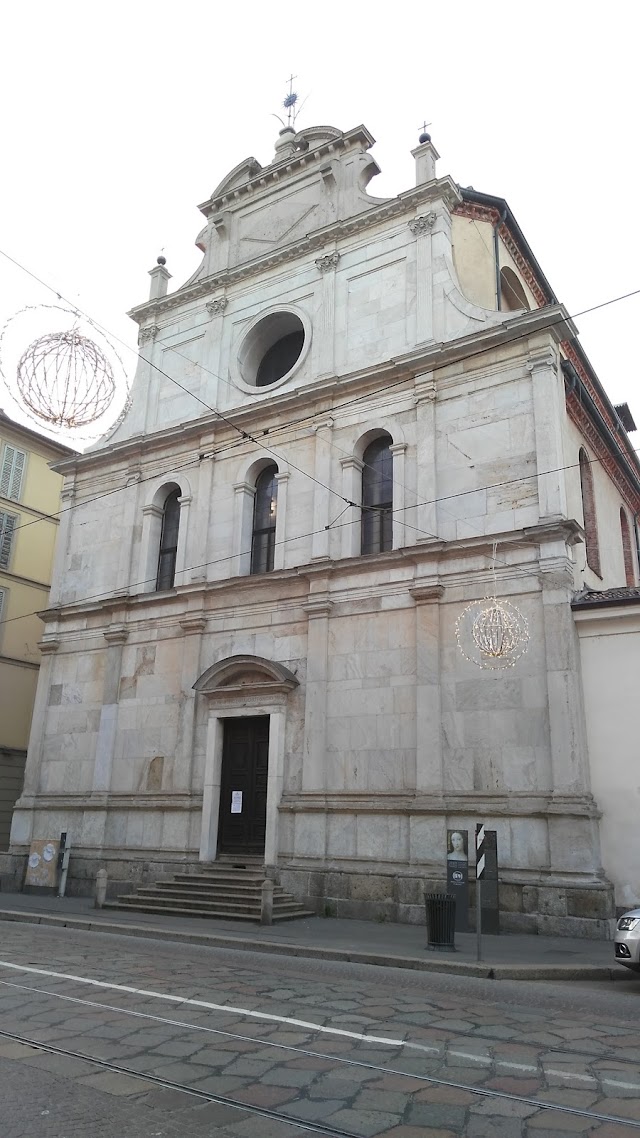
[[13, 464], [7, 527]]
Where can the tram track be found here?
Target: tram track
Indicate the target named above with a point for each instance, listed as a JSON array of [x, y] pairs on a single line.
[[281, 1116]]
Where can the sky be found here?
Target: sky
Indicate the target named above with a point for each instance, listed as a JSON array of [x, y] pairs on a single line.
[[119, 118]]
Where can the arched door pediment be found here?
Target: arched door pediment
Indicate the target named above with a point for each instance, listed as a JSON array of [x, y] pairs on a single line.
[[245, 675]]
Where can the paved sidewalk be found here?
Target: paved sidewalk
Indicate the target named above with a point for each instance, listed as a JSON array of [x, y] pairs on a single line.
[[511, 957]]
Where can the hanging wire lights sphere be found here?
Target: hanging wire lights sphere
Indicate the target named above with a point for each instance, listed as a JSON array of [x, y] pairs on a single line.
[[492, 633], [65, 379]]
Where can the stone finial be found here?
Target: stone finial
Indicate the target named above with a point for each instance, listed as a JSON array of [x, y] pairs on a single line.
[[160, 277], [285, 146], [426, 157]]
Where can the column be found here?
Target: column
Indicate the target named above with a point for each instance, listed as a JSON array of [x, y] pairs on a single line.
[[149, 548], [327, 265], [318, 610], [350, 520], [182, 562], [211, 789], [277, 723], [549, 415], [401, 535], [279, 553], [429, 764], [242, 528], [422, 227], [426, 484], [321, 495]]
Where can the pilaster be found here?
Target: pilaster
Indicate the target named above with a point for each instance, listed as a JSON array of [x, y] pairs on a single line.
[[242, 527], [318, 609], [399, 518], [426, 483], [327, 265], [429, 768], [279, 553], [352, 491], [321, 493], [422, 228], [549, 415]]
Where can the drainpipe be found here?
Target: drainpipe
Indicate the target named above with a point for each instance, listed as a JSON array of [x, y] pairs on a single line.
[[496, 255]]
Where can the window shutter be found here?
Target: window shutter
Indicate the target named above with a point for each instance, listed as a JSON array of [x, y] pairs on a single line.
[[7, 526], [13, 463]]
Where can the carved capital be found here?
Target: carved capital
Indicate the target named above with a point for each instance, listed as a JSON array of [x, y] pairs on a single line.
[[148, 333], [424, 223], [216, 307], [426, 594], [327, 261], [546, 360]]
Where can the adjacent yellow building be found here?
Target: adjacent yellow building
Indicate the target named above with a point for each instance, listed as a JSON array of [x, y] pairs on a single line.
[[29, 504]]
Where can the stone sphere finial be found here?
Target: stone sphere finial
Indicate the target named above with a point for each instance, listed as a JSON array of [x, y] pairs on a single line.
[[162, 260], [424, 137]]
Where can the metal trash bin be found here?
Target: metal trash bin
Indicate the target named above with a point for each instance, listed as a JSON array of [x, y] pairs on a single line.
[[441, 921]]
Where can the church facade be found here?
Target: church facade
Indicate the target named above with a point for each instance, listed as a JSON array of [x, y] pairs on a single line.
[[359, 416]]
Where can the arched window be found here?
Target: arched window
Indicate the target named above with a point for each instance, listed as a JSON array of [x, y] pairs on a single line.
[[264, 521], [626, 547], [512, 294], [168, 541], [377, 497], [589, 512]]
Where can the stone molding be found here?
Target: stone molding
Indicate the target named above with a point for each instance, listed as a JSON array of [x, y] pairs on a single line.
[[117, 634], [48, 645], [327, 261], [442, 189], [190, 624], [426, 594], [424, 223], [321, 607], [216, 307]]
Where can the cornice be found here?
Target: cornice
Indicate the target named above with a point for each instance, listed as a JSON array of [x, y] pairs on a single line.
[[425, 358], [608, 461], [442, 188]]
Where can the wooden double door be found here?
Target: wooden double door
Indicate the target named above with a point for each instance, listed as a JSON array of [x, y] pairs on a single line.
[[243, 785]]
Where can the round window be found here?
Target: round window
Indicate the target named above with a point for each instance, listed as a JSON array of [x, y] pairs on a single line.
[[271, 349]]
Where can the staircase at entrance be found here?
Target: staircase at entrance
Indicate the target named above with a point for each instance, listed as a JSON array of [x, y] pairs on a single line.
[[228, 889]]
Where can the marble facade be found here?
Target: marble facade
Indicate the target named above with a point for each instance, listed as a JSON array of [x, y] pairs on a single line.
[[382, 735]]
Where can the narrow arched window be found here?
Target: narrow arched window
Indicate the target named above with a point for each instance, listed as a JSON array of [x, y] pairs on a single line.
[[625, 533], [264, 521], [589, 512], [377, 497], [168, 541], [512, 294]]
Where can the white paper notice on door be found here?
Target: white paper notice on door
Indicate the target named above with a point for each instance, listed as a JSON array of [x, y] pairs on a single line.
[[236, 802]]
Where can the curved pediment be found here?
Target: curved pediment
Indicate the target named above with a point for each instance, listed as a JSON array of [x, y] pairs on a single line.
[[245, 673], [243, 172]]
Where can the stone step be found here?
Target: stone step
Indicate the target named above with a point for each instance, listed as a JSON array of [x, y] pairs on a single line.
[[214, 892], [192, 879], [227, 900], [130, 903]]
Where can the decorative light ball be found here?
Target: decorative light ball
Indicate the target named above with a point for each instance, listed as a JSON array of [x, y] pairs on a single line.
[[492, 633], [65, 379]]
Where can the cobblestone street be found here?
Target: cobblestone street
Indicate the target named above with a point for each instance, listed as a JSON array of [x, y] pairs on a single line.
[[148, 1040]]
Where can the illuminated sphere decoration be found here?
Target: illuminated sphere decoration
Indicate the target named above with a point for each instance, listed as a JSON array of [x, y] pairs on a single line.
[[492, 633], [65, 379]]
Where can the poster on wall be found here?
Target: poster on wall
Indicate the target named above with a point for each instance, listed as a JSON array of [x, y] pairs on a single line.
[[458, 875], [42, 864]]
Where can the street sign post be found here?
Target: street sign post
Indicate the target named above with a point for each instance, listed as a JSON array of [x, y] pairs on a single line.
[[480, 869]]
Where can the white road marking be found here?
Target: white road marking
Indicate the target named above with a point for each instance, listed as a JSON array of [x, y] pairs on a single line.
[[485, 1060]]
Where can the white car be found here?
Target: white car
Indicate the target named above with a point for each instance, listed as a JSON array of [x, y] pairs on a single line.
[[627, 940]]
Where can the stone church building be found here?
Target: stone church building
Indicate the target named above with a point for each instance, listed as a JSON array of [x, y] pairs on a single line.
[[250, 647]]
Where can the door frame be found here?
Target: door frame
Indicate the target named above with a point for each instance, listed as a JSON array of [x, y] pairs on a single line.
[[249, 817], [243, 686]]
